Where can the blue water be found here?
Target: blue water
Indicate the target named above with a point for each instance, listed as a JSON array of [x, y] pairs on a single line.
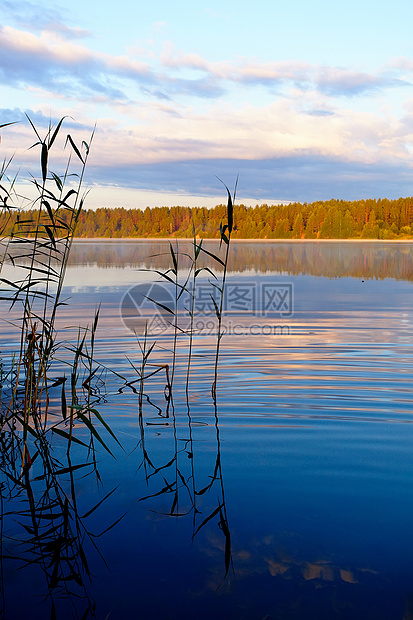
[[305, 463]]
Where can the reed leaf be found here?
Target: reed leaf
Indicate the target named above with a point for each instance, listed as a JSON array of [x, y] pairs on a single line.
[[92, 510], [93, 431], [74, 147], [55, 133], [205, 521], [44, 159], [107, 427], [67, 436]]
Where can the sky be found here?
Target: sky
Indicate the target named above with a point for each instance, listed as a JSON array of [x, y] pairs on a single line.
[[301, 101]]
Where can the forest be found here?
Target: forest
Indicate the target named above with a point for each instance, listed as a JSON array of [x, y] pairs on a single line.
[[332, 219]]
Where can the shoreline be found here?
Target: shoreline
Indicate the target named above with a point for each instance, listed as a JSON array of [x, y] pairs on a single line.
[[162, 239]]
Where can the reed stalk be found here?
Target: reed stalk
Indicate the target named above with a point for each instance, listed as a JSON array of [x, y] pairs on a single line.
[[225, 232]]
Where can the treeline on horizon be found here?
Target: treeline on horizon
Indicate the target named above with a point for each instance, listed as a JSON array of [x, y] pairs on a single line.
[[332, 219]]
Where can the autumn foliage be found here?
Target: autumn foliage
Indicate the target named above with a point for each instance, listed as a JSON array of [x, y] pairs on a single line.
[[333, 219]]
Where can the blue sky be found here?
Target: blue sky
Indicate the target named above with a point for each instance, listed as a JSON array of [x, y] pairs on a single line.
[[305, 101]]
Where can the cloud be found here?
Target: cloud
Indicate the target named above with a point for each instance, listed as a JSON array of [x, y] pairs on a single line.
[[60, 65], [55, 60], [37, 16], [39, 119], [319, 112], [273, 73], [16, 115], [303, 177], [333, 81], [68, 33], [18, 138], [164, 133], [278, 152], [176, 120]]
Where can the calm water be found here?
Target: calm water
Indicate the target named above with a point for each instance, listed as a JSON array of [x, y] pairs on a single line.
[[293, 497]]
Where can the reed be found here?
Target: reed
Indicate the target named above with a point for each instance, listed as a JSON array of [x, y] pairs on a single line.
[[145, 353], [188, 285], [175, 480], [43, 529], [38, 252], [31, 423], [225, 231], [48, 530], [191, 310]]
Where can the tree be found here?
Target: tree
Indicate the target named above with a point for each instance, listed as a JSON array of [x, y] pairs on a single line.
[[310, 232], [298, 227]]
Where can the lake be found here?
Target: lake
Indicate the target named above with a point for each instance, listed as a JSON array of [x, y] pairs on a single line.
[[289, 497]]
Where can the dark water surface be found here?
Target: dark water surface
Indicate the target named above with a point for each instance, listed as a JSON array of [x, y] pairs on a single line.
[[293, 496]]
